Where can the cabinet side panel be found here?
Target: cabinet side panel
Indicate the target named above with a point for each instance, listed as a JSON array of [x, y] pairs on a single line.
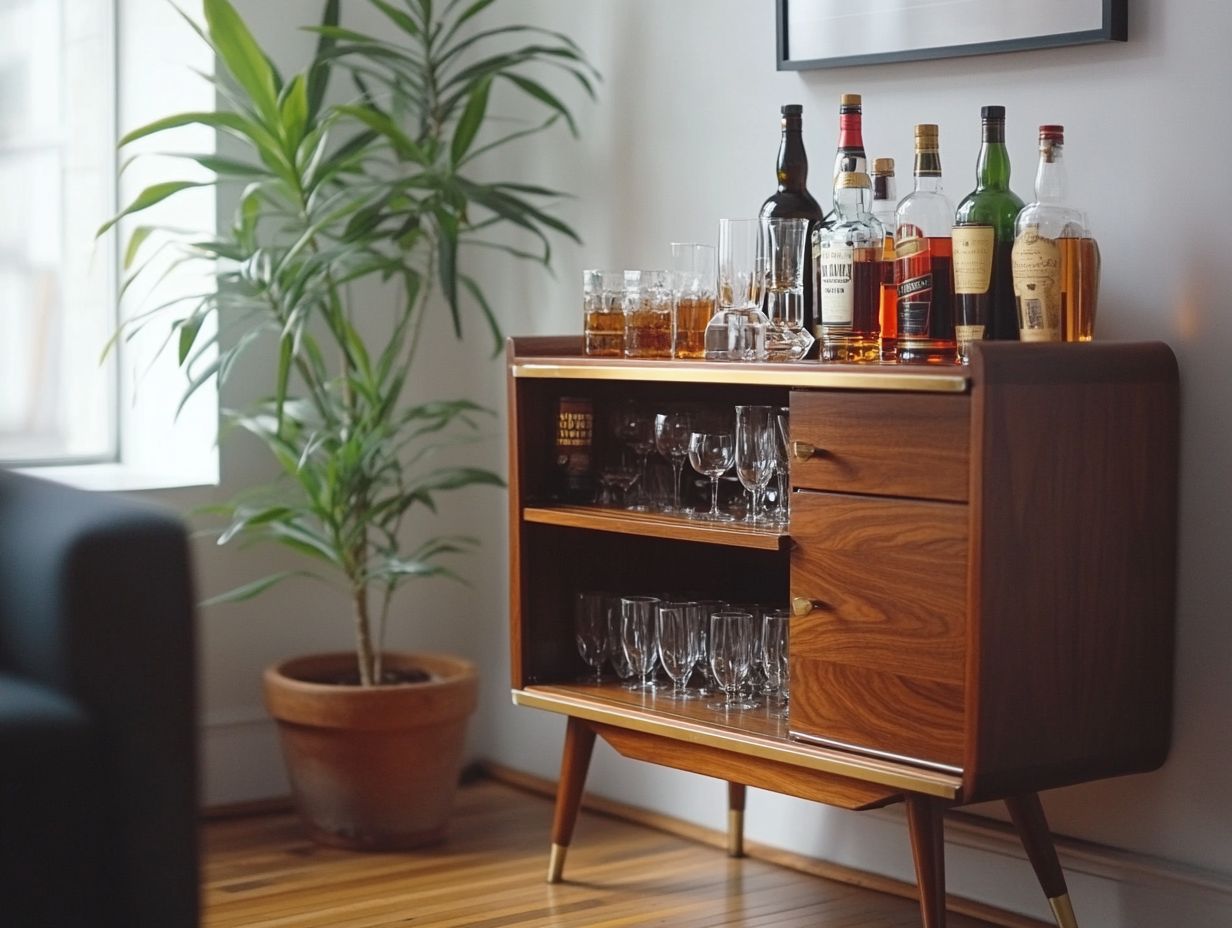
[[1076, 557]]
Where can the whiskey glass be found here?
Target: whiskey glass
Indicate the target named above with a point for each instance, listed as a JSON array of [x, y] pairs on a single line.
[[637, 638], [648, 314], [603, 313], [693, 297], [712, 454], [672, 431], [754, 453], [676, 631], [590, 631], [731, 654]]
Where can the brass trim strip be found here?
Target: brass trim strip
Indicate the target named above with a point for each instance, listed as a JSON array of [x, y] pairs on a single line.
[[803, 375], [873, 752], [854, 766], [1063, 911]]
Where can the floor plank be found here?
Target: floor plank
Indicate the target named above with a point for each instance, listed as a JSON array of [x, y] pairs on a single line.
[[261, 872]]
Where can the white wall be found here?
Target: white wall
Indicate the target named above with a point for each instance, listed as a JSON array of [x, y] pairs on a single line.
[[686, 131]]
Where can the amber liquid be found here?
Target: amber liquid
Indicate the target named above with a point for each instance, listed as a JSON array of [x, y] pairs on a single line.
[[930, 315], [860, 342], [1079, 288], [693, 314], [648, 333], [887, 315], [996, 309], [605, 334]]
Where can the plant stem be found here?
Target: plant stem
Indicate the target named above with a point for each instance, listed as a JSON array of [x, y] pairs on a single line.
[[364, 653]]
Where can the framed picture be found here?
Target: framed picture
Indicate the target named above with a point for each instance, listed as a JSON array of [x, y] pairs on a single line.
[[838, 33]]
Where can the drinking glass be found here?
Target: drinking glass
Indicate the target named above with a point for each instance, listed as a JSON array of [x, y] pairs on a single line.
[[636, 430], [648, 314], [702, 611], [590, 631], [677, 638], [780, 427], [615, 650], [672, 431], [712, 454], [603, 313], [731, 653], [775, 635], [786, 243], [693, 297], [738, 330], [637, 637], [754, 453]]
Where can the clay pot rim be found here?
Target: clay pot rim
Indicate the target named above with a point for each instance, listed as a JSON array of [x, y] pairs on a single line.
[[434, 663]]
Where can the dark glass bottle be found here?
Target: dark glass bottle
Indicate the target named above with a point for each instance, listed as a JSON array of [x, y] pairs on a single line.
[[792, 199], [983, 237]]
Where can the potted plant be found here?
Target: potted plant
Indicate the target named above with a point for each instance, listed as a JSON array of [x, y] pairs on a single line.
[[372, 194]]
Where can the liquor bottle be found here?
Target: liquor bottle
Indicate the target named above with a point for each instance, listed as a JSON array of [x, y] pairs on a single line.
[[1055, 259], [885, 200], [574, 437], [983, 237], [850, 156], [792, 199], [922, 260], [848, 272]]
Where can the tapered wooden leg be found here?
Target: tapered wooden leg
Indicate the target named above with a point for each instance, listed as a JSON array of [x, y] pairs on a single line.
[[574, 762], [735, 819], [1027, 814], [928, 849]]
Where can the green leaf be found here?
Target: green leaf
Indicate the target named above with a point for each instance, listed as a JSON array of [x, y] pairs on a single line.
[[135, 241], [249, 590], [380, 122], [447, 261], [319, 72], [498, 337], [543, 95], [402, 20], [293, 113], [155, 193], [189, 329], [470, 121], [242, 56]]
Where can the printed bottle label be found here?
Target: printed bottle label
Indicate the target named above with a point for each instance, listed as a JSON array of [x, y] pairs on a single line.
[[1036, 260], [913, 272], [834, 268], [973, 251]]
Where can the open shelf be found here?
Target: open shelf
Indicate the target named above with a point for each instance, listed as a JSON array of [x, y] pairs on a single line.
[[752, 732], [659, 525]]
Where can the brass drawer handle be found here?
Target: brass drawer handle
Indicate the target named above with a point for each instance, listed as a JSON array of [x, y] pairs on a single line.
[[801, 605], [802, 451]]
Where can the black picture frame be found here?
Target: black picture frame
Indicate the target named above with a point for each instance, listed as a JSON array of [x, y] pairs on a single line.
[[1113, 28]]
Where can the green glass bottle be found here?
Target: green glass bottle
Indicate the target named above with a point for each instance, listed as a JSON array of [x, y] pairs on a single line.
[[983, 238]]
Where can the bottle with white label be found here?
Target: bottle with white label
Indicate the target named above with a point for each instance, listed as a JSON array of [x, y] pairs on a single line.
[[847, 274], [983, 236], [1055, 259]]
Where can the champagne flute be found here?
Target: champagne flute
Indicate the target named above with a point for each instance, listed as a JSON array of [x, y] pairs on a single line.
[[781, 429], [754, 453], [672, 431], [712, 454]]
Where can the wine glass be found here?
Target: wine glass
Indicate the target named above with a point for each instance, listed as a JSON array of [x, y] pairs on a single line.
[[712, 454], [590, 631], [637, 638], [754, 453], [672, 431], [636, 430], [677, 638], [775, 634], [731, 653]]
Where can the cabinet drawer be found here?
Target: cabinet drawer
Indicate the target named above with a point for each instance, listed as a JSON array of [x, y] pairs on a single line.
[[893, 444], [879, 664]]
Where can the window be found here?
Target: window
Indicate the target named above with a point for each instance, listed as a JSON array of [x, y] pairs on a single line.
[[57, 170]]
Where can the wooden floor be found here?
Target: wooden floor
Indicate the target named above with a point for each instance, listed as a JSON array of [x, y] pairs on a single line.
[[261, 871]]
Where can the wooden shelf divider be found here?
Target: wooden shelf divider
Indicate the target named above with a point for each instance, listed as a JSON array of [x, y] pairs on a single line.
[[659, 525]]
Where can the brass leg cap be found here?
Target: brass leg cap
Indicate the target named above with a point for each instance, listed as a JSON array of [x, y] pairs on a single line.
[[1063, 912], [735, 832], [556, 863]]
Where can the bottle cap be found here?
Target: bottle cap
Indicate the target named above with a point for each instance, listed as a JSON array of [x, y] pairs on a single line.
[[792, 109], [1052, 134], [992, 112], [850, 99], [852, 179], [883, 166], [926, 130]]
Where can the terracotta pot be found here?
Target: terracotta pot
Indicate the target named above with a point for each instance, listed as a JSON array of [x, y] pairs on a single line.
[[372, 767]]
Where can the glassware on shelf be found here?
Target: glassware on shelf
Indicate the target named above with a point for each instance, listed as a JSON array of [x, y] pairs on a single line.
[[703, 609], [737, 332], [693, 297], [731, 654], [648, 314], [615, 649], [775, 635], [603, 313], [637, 638], [672, 431], [787, 247], [590, 631], [754, 453], [676, 632], [712, 454], [635, 429], [780, 428]]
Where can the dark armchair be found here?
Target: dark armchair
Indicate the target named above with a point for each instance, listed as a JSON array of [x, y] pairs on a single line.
[[98, 780]]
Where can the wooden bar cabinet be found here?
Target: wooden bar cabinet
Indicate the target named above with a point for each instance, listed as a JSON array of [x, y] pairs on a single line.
[[980, 564]]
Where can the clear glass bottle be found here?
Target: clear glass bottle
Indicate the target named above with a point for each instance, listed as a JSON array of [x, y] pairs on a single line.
[[792, 199], [983, 236], [1055, 259], [850, 156], [847, 274], [885, 200], [923, 257]]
